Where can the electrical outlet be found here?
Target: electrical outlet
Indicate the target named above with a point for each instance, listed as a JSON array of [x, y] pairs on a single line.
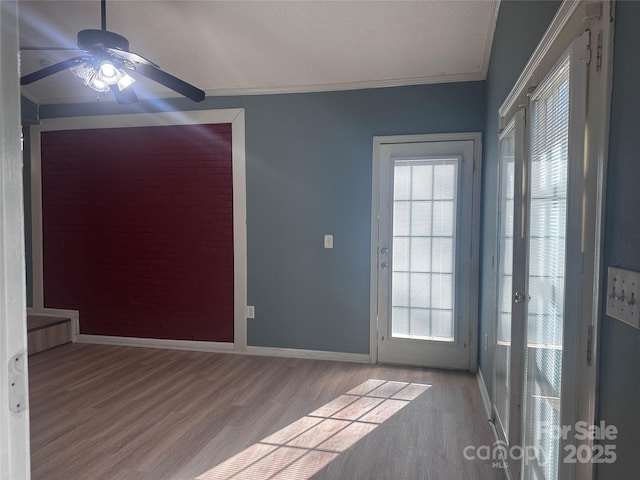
[[623, 295], [250, 311]]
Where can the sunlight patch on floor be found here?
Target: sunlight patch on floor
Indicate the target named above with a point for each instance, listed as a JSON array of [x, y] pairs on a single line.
[[304, 447]]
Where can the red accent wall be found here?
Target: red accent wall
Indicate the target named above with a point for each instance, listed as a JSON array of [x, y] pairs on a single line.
[[138, 230]]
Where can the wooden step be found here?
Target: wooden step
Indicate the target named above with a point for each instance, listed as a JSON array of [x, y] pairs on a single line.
[[45, 332]]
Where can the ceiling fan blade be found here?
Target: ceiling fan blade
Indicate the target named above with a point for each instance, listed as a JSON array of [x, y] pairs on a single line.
[[63, 49], [124, 97], [130, 56], [169, 81], [51, 69]]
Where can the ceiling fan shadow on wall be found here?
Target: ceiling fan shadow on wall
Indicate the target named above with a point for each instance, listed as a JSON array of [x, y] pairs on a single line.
[[106, 64]]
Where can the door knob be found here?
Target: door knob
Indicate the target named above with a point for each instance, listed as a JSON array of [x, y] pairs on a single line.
[[384, 251], [518, 297], [384, 265]]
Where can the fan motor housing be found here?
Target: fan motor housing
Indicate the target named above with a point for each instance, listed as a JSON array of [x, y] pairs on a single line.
[[90, 39]]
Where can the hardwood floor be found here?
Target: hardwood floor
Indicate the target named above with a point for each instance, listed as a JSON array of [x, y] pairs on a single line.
[[118, 413]]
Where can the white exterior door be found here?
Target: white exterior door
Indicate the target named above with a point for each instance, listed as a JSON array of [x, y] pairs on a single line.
[[426, 277]]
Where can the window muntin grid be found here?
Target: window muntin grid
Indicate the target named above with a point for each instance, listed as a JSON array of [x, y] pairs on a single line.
[[424, 245]]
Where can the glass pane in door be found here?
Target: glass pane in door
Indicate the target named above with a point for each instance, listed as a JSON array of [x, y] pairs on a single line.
[[546, 277], [505, 277], [424, 244]]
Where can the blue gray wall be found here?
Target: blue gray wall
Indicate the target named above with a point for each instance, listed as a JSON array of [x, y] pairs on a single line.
[[620, 343], [28, 111], [309, 174], [520, 26]]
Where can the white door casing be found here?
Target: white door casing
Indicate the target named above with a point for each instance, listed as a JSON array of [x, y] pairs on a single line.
[[14, 408]]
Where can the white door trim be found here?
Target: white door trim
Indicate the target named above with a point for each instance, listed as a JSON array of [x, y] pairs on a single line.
[[235, 116], [556, 28], [378, 141], [14, 391]]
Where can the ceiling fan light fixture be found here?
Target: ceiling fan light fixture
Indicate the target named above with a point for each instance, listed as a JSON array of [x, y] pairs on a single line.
[[125, 80], [88, 74], [98, 85], [102, 63], [83, 72], [100, 77], [108, 72]]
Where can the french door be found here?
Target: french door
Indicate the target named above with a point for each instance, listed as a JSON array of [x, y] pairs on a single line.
[[424, 265], [539, 266], [511, 264]]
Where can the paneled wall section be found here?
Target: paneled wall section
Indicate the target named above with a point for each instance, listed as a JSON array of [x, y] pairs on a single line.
[[138, 230]]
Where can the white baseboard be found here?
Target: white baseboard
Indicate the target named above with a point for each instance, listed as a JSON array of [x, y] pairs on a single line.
[[192, 345], [221, 347], [308, 354], [486, 399]]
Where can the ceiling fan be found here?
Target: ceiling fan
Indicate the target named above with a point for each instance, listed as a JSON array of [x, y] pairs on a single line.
[[106, 64]]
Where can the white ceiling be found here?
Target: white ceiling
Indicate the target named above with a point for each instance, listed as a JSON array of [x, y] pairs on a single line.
[[248, 47]]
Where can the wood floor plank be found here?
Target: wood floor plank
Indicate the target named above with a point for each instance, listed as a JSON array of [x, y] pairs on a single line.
[[119, 413]]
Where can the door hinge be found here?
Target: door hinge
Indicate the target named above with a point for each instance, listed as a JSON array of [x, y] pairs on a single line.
[[599, 52], [17, 392], [589, 344]]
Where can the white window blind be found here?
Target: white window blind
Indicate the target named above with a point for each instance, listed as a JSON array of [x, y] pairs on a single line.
[[424, 223], [546, 276]]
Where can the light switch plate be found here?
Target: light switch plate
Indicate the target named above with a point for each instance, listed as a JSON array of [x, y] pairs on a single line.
[[328, 241], [623, 296], [250, 311]]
